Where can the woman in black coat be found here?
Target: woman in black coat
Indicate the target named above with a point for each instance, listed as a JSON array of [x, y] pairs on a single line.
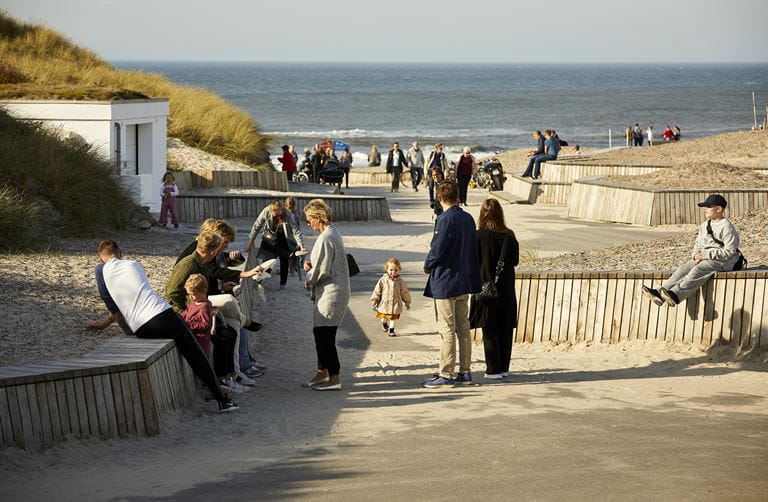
[[497, 318]]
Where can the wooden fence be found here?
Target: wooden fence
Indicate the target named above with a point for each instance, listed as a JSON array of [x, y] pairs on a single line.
[[607, 307], [538, 191], [121, 389], [593, 199], [195, 208], [367, 176], [197, 178]]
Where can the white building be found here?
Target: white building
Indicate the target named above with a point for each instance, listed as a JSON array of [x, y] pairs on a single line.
[[131, 133]]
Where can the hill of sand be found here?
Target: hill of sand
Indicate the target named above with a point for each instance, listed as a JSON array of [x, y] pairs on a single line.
[[697, 174]]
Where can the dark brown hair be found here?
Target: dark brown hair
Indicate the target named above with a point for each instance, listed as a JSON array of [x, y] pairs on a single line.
[[448, 191], [492, 217]]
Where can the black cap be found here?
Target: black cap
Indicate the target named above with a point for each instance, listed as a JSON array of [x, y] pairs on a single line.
[[714, 200]]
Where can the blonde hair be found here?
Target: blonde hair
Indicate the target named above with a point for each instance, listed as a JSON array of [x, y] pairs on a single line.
[[220, 227], [393, 261], [317, 208], [275, 206], [196, 283], [207, 242], [290, 203]]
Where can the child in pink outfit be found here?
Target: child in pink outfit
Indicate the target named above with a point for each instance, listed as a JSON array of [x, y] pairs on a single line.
[[169, 192], [199, 312]]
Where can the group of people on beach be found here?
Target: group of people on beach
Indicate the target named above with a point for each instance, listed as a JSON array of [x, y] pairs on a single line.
[[636, 135]]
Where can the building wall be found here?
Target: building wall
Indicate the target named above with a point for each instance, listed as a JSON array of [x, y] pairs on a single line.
[[95, 122]]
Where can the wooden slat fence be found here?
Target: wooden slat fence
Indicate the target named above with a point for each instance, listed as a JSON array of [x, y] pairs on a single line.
[[197, 178], [605, 201], [195, 208], [538, 191], [121, 389], [607, 307]]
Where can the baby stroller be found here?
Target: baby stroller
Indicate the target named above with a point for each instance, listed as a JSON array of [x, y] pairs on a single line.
[[332, 174]]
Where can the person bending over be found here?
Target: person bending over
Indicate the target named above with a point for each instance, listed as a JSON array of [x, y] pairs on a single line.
[[716, 250]]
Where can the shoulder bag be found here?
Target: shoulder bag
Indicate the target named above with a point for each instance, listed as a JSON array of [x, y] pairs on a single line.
[[741, 263], [489, 292]]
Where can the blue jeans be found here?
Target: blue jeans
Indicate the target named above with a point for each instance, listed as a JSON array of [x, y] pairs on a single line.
[[537, 160], [417, 174], [244, 352]]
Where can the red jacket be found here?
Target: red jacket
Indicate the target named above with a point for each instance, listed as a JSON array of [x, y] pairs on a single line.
[[289, 165]]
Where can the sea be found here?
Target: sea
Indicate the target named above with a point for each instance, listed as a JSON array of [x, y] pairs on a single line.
[[487, 107]]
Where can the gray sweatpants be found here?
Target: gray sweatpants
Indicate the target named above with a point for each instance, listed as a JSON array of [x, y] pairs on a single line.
[[690, 276]]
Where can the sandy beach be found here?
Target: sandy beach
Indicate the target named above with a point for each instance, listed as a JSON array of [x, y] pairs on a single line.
[[583, 412]]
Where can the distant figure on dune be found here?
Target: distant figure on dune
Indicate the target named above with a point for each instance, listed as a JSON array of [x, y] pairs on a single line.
[[637, 135], [668, 135], [649, 132], [677, 133], [629, 136], [716, 250]]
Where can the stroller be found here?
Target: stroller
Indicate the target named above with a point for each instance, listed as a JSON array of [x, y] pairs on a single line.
[[332, 174]]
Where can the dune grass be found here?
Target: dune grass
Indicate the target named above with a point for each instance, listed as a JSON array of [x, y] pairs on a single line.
[[39, 63], [52, 187]]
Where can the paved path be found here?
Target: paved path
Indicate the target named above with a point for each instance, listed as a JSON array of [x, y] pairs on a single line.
[[618, 423]]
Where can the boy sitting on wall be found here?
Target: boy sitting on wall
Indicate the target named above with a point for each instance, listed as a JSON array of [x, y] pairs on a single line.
[[716, 250]]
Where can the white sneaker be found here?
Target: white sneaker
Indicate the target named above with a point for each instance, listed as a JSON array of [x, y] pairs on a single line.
[[243, 379], [505, 374], [236, 387], [493, 376]]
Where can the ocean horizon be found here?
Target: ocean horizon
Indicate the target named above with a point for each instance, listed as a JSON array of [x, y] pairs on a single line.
[[487, 106]]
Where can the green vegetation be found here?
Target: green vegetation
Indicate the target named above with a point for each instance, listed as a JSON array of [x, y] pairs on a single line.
[[38, 63], [50, 187]]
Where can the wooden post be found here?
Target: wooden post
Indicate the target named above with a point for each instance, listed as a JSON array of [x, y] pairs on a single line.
[[754, 110], [610, 140]]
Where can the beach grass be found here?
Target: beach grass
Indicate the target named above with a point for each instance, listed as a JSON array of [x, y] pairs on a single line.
[[39, 63], [51, 187]]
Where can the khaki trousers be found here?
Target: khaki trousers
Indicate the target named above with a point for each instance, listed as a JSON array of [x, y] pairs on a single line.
[[453, 322]]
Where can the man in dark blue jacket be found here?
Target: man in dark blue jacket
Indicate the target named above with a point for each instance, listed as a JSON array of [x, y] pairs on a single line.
[[454, 274], [533, 153]]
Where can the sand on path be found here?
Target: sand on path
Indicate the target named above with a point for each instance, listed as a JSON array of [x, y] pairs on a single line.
[[634, 421]]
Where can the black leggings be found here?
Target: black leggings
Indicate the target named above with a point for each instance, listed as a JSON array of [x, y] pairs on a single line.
[[281, 250], [325, 344], [463, 182], [224, 343], [396, 173], [168, 324]]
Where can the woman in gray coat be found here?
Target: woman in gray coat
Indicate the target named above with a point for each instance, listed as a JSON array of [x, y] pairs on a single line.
[[328, 282]]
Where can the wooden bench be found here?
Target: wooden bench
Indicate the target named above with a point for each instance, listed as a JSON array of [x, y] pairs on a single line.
[[121, 389], [607, 308]]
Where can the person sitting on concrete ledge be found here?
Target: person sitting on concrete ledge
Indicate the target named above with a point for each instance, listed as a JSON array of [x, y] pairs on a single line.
[[552, 147], [716, 250]]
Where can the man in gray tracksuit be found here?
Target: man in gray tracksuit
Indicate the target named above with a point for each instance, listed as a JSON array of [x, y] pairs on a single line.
[[716, 250]]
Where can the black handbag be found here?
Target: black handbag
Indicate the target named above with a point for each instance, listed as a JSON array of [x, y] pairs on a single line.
[[352, 264], [269, 236], [488, 291]]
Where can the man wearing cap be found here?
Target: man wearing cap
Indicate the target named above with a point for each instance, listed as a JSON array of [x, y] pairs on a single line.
[[716, 250]]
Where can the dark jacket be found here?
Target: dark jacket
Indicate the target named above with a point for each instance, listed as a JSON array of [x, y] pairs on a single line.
[[403, 162], [502, 313], [540, 145], [452, 258]]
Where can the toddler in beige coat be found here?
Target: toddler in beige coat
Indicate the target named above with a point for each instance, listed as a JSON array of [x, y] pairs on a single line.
[[389, 295]]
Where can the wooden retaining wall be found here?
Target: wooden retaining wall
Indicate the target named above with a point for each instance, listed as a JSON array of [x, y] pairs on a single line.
[[121, 389], [538, 191], [607, 307], [606, 201], [369, 177], [195, 208], [197, 178], [569, 171]]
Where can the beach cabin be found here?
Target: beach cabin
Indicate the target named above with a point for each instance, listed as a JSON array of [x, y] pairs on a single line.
[[131, 133]]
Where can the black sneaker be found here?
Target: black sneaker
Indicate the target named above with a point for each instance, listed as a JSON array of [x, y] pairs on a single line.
[[652, 295], [385, 325], [669, 297], [226, 406], [392, 332], [254, 326]]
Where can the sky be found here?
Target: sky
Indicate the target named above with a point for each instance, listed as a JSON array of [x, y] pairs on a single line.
[[483, 31]]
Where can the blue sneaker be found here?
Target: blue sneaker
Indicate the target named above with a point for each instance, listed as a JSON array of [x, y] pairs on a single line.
[[464, 377], [439, 382]]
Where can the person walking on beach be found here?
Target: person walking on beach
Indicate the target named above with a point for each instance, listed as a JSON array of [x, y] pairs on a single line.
[[465, 169], [649, 133], [499, 254], [435, 178], [630, 136], [346, 164], [168, 192], [452, 265], [540, 150], [396, 161], [415, 158], [716, 249], [289, 162], [390, 295], [637, 135], [127, 290], [436, 160], [328, 283], [374, 157]]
